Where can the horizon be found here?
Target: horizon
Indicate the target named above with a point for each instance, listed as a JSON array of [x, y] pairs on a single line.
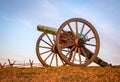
[[19, 20]]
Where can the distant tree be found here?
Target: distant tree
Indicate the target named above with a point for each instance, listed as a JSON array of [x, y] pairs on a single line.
[[31, 63], [2, 66], [11, 64]]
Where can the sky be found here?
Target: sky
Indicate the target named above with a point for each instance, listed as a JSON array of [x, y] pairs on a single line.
[[19, 19]]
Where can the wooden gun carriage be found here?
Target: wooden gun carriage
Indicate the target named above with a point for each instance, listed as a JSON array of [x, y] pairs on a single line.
[[75, 43]]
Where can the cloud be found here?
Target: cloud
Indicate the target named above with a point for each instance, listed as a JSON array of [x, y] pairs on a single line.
[[48, 6], [48, 9], [25, 22], [6, 18], [49, 13]]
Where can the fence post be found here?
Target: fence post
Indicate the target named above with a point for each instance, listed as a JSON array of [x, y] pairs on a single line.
[[31, 63], [2, 66], [11, 64]]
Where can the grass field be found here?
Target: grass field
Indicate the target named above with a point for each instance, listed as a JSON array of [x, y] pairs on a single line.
[[61, 74]]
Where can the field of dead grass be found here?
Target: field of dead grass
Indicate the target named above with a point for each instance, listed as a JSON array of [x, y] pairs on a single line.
[[61, 74]]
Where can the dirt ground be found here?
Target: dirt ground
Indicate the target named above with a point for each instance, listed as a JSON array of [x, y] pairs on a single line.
[[61, 74]]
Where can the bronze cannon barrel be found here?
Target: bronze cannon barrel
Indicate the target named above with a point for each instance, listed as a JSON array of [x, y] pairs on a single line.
[[46, 29]]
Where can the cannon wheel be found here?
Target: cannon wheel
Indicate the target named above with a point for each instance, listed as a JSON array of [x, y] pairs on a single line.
[[84, 39], [46, 51]]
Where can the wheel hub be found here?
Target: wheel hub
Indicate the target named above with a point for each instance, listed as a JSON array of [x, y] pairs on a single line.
[[53, 49], [79, 42]]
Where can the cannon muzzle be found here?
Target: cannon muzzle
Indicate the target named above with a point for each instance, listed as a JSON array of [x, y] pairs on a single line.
[[46, 29]]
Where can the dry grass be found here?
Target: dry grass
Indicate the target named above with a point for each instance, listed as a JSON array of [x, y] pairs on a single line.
[[61, 74]]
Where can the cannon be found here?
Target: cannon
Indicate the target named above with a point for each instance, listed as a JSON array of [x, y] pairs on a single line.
[[75, 43]]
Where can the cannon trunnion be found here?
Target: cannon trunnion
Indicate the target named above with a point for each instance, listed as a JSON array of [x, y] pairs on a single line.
[[75, 43]]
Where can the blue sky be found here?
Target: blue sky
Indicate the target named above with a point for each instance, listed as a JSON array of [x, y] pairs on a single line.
[[19, 18]]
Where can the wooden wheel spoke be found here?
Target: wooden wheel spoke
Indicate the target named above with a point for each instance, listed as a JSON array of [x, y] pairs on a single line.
[[49, 39], [84, 54], [44, 47], [56, 59], [69, 57], [46, 42], [62, 61], [88, 52], [90, 44], [87, 32], [52, 59], [54, 38], [67, 34], [82, 31], [76, 29], [45, 52], [48, 56], [71, 29], [70, 51], [90, 38], [74, 54], [79, 54]]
